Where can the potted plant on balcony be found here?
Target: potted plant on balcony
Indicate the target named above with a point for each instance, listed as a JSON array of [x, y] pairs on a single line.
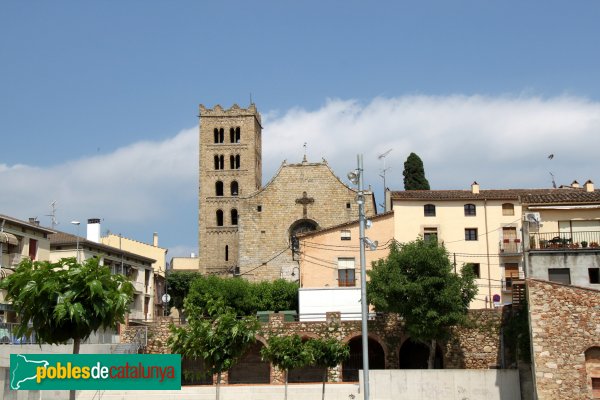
[[594, 244], [584, 244]]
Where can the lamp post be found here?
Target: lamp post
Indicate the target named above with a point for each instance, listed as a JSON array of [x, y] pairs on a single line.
[[77, 223], [356, 177]]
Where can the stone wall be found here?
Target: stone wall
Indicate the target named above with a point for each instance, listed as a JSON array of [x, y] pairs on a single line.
[[473, 347], [565, 323]]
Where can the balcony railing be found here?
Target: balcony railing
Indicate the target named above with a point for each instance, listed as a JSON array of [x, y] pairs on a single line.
[[564, 241], [510, 246]]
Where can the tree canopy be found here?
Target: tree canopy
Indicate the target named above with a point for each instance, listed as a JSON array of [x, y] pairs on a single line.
[[244, 297], [417, 282], [66, 300], [414, 174], [213, 334], [178, 283]]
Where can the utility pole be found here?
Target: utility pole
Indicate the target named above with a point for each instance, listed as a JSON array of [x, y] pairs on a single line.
[[382, 157]]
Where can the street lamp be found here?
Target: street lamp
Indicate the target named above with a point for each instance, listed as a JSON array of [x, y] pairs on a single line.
[[356, 177], [77, 223]]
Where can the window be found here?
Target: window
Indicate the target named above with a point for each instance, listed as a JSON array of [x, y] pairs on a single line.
[[226, 253], [430, 234], [234, 217], [345, 235], [234, 188], [32, 249], [429, 210], [219, 162], [219, 217], [259, 208], [219, 188], [234, 135], [234, 162], [219, 135], [470, 233], [594, 274], [508, 209], [470, 210], [476, 267], [346, 271], [560, 275], [596, 388], [347, 205]]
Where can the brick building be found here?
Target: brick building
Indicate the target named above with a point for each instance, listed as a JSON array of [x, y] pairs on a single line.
[[245, 228]]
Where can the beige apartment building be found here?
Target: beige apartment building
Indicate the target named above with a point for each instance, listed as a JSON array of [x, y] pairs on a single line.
[[137, 267], [20, 240], [478, 227], [330, 257]]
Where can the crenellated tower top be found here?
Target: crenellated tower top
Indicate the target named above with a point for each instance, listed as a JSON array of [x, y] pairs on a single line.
[[234, 111]]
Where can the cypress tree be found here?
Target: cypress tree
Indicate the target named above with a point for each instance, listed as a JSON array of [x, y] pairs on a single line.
[[414, 174]]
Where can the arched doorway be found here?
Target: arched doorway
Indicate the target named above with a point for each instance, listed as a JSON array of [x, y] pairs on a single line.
[[352, 365], [301, 226], [414, 355], [251, 368], [193, 372], [306, 374]]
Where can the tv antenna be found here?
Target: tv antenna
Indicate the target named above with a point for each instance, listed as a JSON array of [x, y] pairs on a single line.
[[52, 215], [382, 156]]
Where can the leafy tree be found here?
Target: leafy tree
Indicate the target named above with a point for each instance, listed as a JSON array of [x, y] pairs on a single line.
[[66, 300], [178, 283], [287, 352], [516, 334], [245, 297], [414, 174], [417, 282], [214, 334], [327, 353]]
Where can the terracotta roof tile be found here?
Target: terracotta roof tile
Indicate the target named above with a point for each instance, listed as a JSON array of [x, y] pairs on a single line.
[[527, 196]]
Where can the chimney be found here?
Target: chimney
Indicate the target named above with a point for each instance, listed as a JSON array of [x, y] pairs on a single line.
[[34, 221], [475, 187], [93, 230], [155, 239], [575, 184], [589, 186]]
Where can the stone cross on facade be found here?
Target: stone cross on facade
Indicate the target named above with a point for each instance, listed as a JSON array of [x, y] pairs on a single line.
[[305, 201]]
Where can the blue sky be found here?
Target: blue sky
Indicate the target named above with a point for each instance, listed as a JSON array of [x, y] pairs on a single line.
[[99, 100]]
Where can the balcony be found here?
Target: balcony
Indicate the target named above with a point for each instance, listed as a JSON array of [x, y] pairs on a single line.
[[510, 247], [562, 241]]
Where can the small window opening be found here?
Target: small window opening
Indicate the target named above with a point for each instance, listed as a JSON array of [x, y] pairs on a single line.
[[234, 217], [219, 188], [234, 188], [219, 217]]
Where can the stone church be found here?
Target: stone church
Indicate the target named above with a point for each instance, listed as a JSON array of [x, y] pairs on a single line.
[[249, 230]]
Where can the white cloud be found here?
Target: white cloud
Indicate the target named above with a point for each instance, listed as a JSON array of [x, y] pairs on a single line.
[[502, 142]]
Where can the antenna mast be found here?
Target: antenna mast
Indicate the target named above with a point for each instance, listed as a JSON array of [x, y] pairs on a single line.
[[52, 215], [382, 157]]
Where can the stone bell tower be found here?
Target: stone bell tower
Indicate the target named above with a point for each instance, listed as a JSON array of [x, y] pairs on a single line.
[[230, 168]]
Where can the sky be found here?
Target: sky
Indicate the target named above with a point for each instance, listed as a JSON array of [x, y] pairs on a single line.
[[99, 100]]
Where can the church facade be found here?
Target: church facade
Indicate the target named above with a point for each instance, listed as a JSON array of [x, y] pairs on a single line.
[[249, 230]]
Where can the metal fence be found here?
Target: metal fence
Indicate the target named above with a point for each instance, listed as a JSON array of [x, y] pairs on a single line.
[[564, 240]]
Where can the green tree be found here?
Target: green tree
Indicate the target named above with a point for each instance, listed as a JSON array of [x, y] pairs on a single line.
[[214, 334], [287, 352], [66, 300], [414, 174], [327, 353], [417, 282], [179, 283], [246, 298]]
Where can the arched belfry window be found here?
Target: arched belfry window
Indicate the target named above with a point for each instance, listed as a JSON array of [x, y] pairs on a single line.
[[231, 135], [219, 188], [234, 161], [234, 217], [219, 217], [237, 134], [219, 162], [234, 188], [219, 135]]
